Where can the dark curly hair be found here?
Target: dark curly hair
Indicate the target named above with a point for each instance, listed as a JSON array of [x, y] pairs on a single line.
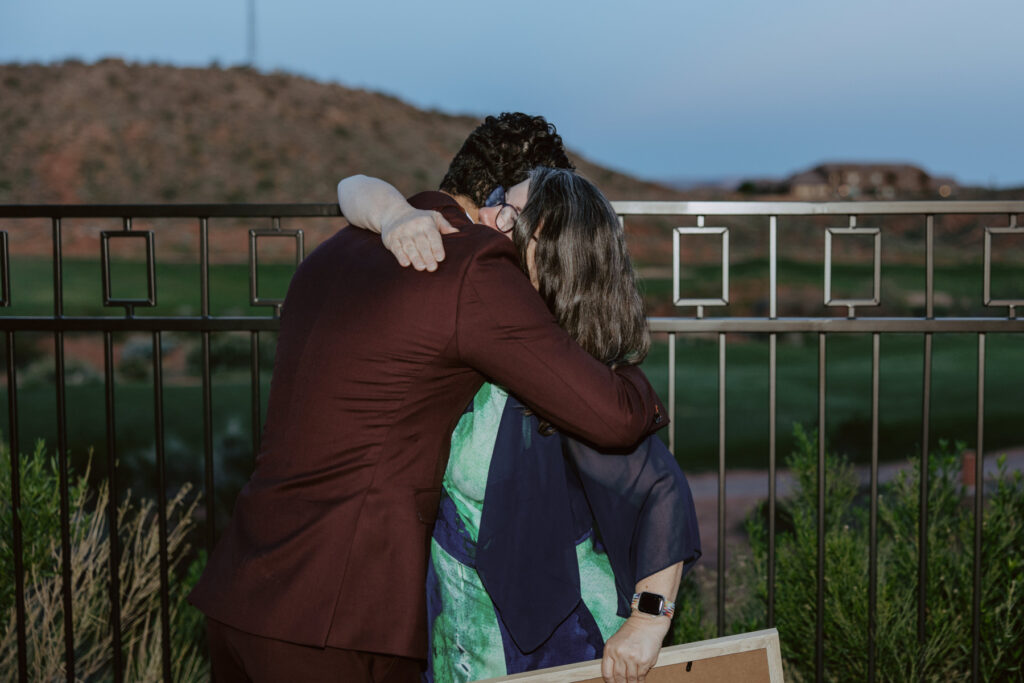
[[582, 265], [502, 151]]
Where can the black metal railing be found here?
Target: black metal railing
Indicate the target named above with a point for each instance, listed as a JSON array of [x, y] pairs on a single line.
[[766, 215]]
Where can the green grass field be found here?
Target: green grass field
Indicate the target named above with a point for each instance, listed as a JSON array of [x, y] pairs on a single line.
[[177, 288], [696, 421], [958, 287], [848, 394]]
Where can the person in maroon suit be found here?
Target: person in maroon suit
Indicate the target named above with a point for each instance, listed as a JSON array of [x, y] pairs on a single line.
[[319, 575]]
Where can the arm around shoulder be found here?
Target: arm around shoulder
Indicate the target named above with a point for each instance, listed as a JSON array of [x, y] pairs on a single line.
[[412, 235]]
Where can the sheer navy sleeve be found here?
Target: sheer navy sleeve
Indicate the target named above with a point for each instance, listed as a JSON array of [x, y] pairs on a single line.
[[544, 491], [642, 508]]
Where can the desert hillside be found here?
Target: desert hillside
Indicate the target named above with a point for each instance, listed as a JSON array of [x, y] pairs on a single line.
[[113, 132]]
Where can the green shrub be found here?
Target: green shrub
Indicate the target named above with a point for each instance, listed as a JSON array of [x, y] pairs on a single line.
[[230, 352], [946, 653], [90, 576], [136, 362]]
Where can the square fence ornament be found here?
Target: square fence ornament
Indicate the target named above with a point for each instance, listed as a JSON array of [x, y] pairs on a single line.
[[108, 299], [875, 299], [254, 285], [723, 300], [1012, 229]]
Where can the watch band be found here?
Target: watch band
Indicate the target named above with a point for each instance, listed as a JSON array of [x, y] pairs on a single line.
[[667, 608]]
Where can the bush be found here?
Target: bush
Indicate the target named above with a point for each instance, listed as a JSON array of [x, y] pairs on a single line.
[[90, 575], [43, 371], [230, 352], [946, 654], [137, 357]]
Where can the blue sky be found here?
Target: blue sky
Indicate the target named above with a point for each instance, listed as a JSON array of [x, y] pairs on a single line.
[[660, 89]]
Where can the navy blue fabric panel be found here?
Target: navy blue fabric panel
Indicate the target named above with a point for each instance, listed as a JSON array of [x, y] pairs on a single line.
[[583, 518], [526, 555], [576, 639]]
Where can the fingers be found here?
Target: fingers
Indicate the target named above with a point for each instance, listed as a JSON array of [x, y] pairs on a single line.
[[417, 240], [621, 667], [430, 249], [443, 226], [624, 664], [418, 250], [614, 667], [396, 248]]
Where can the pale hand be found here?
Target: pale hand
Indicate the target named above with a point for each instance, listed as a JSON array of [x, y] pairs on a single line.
[[414, 237], [631, 652]]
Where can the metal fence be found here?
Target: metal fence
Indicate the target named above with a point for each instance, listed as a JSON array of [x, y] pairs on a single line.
[[849, 216]]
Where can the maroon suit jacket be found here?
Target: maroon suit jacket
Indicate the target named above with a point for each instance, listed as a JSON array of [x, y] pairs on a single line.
[[375, 363]]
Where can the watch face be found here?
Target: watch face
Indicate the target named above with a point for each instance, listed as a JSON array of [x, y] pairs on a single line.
[[650, 603]]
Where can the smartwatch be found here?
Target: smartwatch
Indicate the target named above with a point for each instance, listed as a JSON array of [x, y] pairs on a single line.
[[653, 604]]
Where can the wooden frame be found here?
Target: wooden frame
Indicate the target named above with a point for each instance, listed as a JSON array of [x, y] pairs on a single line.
[[720, 660]]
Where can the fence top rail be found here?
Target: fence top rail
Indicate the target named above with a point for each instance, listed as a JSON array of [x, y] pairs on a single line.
[[842, 325], [169, 210], [685, 208], [680, 325], [815, 208]]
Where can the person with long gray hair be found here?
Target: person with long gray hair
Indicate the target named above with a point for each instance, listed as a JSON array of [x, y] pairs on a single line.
[[546, 551]]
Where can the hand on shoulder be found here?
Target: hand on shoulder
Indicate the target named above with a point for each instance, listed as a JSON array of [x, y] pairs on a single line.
[[414, 237]]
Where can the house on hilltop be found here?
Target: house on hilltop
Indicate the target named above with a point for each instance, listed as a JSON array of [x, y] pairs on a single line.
[[866, 181]]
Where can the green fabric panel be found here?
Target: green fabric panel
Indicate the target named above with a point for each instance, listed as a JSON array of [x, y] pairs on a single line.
[[597, 584], [467, 640], [470, 459]]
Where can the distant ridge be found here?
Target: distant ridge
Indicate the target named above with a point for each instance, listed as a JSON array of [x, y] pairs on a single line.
[[116, 132]]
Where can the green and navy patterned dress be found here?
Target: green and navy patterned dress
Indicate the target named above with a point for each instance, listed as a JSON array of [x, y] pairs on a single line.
[[468, 640]]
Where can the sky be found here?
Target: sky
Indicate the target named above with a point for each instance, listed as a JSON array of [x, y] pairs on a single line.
[[662, 89]]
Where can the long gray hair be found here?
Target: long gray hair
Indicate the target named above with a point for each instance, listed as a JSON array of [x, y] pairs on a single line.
[[583, 267]]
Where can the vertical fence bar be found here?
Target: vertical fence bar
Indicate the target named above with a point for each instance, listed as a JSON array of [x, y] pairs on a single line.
[[209, 494], [204, 293], [115, 550], [819, 624], [62, 458], [771, 477], [926, 403], [161, 497], [204, 267], [979, 511], [873, 515], [117, 655], [773, 267], [772, 383], [65, 509], [721, 484], [929, 275], [672, 391], [254, 361], [18, 547], [922, 514]]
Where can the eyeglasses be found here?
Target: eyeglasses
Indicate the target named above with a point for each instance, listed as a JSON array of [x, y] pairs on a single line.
[[507, 214]]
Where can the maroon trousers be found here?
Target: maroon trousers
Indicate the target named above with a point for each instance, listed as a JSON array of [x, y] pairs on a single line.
[[240, 657]]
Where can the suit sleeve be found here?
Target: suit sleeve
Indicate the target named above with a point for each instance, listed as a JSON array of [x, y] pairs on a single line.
[[505, 331]]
